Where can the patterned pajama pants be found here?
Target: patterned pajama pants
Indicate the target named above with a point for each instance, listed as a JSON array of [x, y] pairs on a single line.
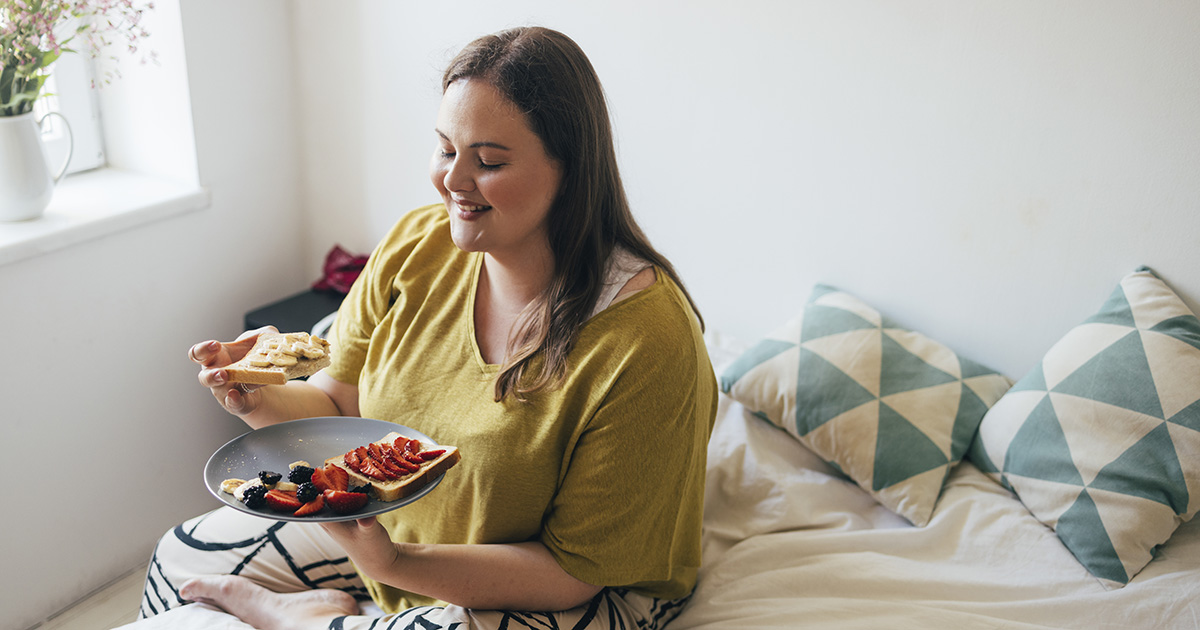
[[291, 557]]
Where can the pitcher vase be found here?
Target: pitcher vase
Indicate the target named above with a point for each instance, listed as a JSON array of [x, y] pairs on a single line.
[[26, 184]]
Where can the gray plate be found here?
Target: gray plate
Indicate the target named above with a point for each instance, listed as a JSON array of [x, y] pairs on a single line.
[[313, 440]]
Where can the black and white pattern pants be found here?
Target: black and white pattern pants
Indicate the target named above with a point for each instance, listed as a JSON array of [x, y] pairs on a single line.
[[291, 557]]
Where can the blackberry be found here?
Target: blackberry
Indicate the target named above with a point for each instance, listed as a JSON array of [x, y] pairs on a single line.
[[269, 478], [307, 492], [255, 496], [300, 474]]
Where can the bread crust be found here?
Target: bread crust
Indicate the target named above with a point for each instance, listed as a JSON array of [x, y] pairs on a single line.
[[242, 371], [409, 484]]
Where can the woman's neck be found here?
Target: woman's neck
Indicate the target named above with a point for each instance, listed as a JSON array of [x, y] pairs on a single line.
[[503, 293], [516, 282]]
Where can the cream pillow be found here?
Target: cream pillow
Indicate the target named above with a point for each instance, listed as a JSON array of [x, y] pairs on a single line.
[[891, 408], [1101, 440]]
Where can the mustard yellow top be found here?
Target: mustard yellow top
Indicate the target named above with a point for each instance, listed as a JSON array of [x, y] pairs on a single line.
[[607, 471]]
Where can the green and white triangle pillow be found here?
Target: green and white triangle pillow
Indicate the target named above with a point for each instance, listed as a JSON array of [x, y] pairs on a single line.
[[1101, 440], [891, 408]]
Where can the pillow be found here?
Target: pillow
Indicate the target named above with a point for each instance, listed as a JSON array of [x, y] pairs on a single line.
[[890, 408], [1101, 440]]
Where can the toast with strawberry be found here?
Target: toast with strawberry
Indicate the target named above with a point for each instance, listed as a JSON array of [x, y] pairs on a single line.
[[396, 466]]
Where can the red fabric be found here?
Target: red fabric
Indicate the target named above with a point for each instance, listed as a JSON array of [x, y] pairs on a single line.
[[341, 269]]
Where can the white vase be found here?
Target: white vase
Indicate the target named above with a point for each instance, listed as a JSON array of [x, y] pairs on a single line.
[[26, 184]]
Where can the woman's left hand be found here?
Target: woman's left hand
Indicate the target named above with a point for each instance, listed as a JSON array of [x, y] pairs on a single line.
[[367, 543], [516, 576]]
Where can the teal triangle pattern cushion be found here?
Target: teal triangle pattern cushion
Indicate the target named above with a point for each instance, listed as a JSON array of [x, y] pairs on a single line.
[[1101, 440], [888, 407]]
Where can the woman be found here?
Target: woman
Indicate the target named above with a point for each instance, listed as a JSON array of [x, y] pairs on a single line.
[[526, 320]]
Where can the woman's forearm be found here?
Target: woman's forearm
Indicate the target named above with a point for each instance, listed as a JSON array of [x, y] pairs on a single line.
[[291, 401], [520, 576], [320, 395]]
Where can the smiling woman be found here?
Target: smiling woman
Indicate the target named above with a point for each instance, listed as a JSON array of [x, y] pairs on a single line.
[[498, 193], [527, 321], [494, 176], [590, 218]]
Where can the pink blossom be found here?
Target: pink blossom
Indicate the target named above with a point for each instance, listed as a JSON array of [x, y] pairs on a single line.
[[28, 30]]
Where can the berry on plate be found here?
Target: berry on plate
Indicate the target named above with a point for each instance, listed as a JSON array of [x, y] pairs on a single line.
[[282, 501], [312, 507], [345, 502]]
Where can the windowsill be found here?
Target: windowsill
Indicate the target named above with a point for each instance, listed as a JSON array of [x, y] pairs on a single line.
[[94, 204]]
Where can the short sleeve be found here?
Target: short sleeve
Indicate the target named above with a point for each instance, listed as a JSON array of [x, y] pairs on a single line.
[[374, 292], [629, 508]]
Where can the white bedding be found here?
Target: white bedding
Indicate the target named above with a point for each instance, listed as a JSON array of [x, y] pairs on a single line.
[[791, 544]]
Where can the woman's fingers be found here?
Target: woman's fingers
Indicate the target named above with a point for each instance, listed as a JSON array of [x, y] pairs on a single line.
[[245, 341], [211, 378], [239, 398], [213, 353], [253, 334], [218, 377], [235, 401], [213, 356], [204, 352]]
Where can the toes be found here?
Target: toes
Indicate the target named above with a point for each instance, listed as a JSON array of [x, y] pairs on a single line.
[[192, 590], [210, 589]]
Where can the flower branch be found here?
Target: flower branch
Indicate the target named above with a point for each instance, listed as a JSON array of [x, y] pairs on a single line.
[[35, 33]]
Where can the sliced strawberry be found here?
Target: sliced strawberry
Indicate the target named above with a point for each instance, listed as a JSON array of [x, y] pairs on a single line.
[[345, 502], [397, 459], [312, 507], [363, 455], [282, 501], [371, 470], [379, 459], [336, 477], [392, 468], [318, 479], [431, 455], [354, 460]]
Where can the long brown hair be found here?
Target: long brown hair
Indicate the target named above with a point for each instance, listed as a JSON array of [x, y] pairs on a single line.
[[549, 78]]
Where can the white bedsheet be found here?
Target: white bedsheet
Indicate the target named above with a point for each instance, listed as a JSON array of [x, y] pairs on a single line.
[[790, 544]]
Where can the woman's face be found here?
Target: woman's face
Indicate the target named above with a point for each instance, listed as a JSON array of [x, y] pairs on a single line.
[[492, 172]]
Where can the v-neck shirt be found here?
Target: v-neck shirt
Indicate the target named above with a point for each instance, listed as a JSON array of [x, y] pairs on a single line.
[[606, 470]]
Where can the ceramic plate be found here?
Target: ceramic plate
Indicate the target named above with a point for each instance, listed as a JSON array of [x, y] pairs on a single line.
[[313, 440]]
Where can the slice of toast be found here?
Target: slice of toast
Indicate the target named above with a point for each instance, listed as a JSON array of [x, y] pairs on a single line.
[[407, 484], [277, 358]]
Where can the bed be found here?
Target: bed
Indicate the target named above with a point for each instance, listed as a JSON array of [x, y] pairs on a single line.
[[863, 475], [794, 539]]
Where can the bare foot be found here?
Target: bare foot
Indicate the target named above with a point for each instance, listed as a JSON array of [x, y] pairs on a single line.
[[267, 610]]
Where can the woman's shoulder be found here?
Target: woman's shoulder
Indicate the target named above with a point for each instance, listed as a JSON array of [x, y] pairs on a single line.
[[421, 228], [643, 279], [653, 316], [418, 223]]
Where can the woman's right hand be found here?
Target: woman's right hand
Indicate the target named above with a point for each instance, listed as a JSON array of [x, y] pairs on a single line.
[[238, 399]]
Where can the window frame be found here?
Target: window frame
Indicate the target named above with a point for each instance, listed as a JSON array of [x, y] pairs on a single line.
[[151, 169], [69, 92]]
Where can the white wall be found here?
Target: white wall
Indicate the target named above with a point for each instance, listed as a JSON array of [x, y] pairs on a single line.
[[103, 427], [983, 171]]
